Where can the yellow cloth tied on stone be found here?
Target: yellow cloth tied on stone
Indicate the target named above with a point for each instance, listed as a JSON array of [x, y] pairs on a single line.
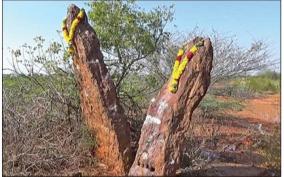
[[193, 49], [181, 68], [177, 62], [173, 82], [68, 36], [180, 65]]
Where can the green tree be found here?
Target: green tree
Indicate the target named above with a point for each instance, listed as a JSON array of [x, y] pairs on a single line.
[[128, 34]]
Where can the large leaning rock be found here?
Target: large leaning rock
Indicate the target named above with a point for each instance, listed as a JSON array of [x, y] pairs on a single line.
[[168, 118], [100, 105]]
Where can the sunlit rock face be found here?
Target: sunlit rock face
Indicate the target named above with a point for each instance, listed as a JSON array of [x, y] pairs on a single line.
[[99, 102], [168, 117]]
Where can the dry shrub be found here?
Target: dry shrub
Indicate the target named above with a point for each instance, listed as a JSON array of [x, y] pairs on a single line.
[[270, 148], [40, 135]]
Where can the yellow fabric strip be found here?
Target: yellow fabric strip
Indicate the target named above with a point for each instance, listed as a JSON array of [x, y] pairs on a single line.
[[180, 52], [81, 14], [68, 37], [181, 68], [65, 36], [193, 49], [176, 65], [178, 69], [73, 28], [173, 85]]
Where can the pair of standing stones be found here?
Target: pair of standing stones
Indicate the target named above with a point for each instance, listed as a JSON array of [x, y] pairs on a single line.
[[168, 117]]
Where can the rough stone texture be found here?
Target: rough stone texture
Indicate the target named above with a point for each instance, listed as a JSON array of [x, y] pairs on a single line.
[[99, 102], [168, 118]]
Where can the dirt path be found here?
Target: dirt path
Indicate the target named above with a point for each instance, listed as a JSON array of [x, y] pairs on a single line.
[[261, 115], [231, 138], [265, 109]]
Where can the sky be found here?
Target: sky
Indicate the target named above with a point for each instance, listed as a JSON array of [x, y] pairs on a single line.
[[247, 20]]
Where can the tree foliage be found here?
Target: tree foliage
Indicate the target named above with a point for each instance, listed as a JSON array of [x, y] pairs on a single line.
[[128, 34]]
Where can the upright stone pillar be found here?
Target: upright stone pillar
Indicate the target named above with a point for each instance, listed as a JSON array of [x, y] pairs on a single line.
[[99, 102], [168, 118]]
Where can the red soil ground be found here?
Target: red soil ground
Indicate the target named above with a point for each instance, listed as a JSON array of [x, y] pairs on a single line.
[[262, 110], [234, 134]]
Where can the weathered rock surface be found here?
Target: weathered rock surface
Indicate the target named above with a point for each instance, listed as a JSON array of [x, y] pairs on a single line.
[[99, 102], [168, 118]]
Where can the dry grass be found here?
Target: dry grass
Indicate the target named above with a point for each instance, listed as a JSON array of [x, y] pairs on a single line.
[[41, 136]]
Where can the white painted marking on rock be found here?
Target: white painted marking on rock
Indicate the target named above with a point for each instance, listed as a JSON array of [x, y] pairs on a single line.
[[86, 94], [162, 106], [152, 120], [144, 156], [92, 62], [113, 107]]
